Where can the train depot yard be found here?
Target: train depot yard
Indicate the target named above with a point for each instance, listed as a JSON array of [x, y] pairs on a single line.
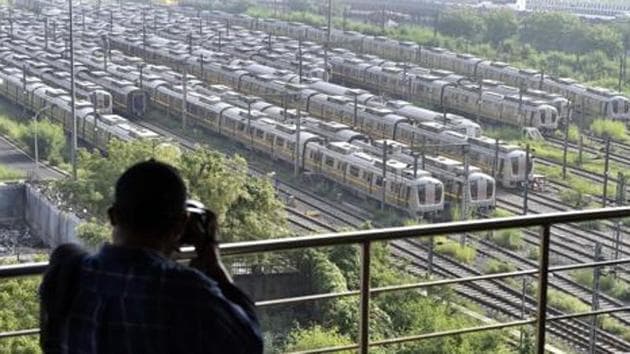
[[352, 130]]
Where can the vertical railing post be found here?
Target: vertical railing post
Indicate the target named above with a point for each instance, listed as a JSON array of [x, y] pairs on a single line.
[[364, 333], [543, 280]]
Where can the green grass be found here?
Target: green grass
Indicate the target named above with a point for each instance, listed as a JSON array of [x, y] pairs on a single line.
[[511, 239], [451, 248], [494, 266], [9, 174], [608, 283]]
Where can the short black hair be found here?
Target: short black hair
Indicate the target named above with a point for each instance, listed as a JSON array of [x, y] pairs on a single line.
[[149, 197]]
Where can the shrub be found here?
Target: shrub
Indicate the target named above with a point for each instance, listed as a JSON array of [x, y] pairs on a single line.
[[533, 253], [93, 233], [494, 266], [465, 254], [511, 239], [50, 140], [609, 128], [565, 302], [9, 174]]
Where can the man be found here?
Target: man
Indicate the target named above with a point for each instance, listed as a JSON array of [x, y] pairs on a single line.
[[130, 297]]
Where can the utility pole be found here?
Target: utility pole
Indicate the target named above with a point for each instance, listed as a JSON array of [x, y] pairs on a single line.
[[620, 73], [526, 184], [184, 100], [565, 146], [606, 162], [465, 187], [111, 20], [580, 147], [73, 149], [595, 298]]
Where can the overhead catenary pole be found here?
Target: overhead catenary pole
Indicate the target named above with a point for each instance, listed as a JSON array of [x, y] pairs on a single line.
[[606, 172], [298, 156], [465, 187], [327, 44], [300, 61], [184, 100], [384, 176], [73, 148], [621, 197], [46, 33], [565, 146], [526, 183], [595, 298]]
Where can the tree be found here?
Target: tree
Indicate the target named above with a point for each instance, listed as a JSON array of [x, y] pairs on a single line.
[[50, 140], [246, 206], [500, 25], [549, 30], [461, 23]]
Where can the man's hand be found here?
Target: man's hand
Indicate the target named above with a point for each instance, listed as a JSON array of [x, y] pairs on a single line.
[[208, 261]]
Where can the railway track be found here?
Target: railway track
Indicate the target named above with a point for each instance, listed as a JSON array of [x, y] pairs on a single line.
[[496, 296], [510, 302], [614, 156]]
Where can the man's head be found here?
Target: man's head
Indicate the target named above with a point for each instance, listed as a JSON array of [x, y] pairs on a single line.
[[149, 206]]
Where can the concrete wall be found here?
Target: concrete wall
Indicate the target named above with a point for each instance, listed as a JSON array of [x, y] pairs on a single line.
[[12, 199], [24, 203], [52, 225], [273, 286]]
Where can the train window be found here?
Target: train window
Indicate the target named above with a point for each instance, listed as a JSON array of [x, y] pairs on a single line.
[[489, 189], [474, 189], [514, 161], [368, 176], [260, 134], [291, 146], [241, 127], [354, 171], [379, 181], [280, 142], [329, 161], [543, 117], [342, 166]]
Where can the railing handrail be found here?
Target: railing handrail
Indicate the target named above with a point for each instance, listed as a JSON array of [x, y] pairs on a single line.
[[392, 233], [366, 237]]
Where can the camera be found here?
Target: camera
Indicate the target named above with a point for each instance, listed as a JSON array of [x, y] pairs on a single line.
[[201, 225]]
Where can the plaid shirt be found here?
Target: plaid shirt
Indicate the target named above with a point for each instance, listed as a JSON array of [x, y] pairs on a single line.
[[136, 301]]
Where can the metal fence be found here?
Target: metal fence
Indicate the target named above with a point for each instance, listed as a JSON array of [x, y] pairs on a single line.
[[365, 239]]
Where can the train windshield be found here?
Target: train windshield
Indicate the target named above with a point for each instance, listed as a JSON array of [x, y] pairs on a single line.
[[515, 166], [474, 190], [626, 108], [422, 194], [106, 103], [543, 116], [615, 106], [438, 193], [489, 189]]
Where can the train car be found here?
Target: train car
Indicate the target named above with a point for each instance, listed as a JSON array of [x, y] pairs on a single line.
[[92, 127]]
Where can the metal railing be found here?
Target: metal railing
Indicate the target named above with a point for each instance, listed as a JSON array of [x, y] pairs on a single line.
[[365, 240]]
